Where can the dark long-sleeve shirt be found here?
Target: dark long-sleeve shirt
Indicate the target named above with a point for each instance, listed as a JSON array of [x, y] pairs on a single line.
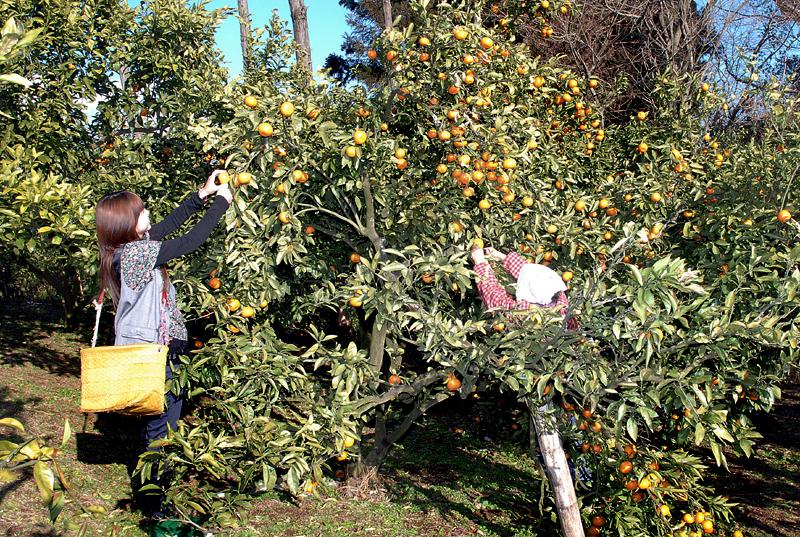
[[189, 242]]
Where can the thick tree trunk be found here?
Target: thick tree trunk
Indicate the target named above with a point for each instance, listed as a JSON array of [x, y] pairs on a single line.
[[388, 20], [555, 463], [244, 33], [300, 27]]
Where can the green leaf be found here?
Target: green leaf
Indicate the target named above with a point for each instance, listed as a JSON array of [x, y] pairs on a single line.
[[15, 79], [67, 433], [13, 423], [723, 434], [636, 273], [699, 434], [45, 480], [633, 428]]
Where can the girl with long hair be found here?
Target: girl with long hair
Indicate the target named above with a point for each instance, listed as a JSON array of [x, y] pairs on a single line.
[[133, 258]]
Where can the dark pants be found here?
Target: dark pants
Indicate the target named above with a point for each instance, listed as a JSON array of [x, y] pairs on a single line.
[[155, 428]]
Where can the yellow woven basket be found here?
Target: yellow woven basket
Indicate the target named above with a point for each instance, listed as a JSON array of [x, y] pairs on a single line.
[[127, 379]]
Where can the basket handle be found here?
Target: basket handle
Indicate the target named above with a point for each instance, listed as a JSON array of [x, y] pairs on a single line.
[[98, 306]]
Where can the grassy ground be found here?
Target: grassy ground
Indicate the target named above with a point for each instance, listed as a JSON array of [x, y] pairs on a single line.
[[463, 471]]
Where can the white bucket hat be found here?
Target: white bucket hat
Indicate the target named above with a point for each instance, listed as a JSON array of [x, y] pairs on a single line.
[[538, 284]]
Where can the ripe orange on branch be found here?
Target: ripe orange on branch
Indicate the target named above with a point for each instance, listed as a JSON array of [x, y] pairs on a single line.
[[453, 384], [286, 109], [250, 101], [265, 129]]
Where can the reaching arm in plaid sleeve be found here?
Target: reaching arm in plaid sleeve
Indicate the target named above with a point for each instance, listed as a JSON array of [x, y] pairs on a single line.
[[496, 297]]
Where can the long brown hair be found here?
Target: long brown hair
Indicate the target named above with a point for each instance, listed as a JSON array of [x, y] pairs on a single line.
[[116, 216]]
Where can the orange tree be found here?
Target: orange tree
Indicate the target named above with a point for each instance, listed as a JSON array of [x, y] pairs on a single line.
[[146, 71], [342, 307]]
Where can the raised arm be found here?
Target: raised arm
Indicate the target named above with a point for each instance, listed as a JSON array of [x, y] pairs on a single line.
[[493, 294], [190, 205], [173, 221], [196, 236]]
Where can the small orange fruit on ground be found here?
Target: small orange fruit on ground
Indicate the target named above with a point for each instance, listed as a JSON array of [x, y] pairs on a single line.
[[394, 380], [214, 283], [784, 216]]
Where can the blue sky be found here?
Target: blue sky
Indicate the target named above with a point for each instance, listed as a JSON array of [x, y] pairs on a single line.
[[326, 26]]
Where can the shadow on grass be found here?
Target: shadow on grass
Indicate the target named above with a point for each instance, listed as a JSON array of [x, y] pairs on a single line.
[[32, 323], [767, 485], [467, 472]]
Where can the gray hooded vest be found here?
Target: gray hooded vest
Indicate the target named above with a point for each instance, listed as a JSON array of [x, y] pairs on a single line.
[[139, 312]]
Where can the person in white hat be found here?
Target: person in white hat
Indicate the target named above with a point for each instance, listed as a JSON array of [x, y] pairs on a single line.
[[537, 285]]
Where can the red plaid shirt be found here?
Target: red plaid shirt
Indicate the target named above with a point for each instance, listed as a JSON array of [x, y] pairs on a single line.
[[496, 297]]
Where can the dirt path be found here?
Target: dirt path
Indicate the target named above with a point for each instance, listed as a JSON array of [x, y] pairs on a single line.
[[767, 485]]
